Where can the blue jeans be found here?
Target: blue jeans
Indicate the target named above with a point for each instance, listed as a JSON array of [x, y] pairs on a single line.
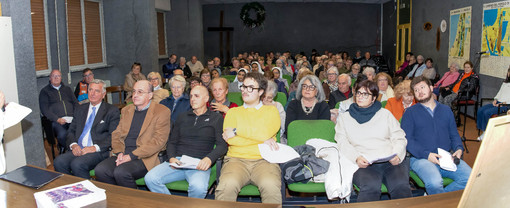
[[432, 175], [485, 113], [162, 174]]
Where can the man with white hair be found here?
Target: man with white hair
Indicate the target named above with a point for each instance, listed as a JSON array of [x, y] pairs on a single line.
[[89, 136], [344, 91]]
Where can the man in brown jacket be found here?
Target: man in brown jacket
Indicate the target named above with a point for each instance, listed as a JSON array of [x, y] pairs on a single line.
[[142, 133]]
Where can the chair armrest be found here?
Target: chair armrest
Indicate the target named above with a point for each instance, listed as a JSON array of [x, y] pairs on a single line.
[[482, 100], [500, 105]]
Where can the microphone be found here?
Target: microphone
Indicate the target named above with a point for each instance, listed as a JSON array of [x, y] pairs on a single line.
[[482, 52]]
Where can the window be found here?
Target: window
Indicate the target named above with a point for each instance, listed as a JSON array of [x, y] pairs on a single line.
[[161, 35], [40, 37], [85, 34]]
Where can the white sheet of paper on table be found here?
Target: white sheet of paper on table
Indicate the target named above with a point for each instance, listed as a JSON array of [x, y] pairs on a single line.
[[284, 154]]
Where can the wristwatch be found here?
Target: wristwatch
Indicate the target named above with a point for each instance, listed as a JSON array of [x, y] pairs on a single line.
[[235, 131]]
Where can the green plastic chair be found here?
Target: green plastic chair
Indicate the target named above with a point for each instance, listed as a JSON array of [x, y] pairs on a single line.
[[235, 97], [353, 80], [383, 104], [281, 98], [337, 106], [419, 182], [177, 185], [250, 189], [288, 78], [230, 78], [298, 133]]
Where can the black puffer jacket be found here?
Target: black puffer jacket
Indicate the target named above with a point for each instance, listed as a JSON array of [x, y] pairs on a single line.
[[467, 85]]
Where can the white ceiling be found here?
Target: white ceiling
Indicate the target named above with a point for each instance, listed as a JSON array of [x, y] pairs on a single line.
[[293, 1]]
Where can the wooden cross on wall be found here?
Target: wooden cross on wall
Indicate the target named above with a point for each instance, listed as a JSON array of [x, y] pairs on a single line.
[[222, 29]]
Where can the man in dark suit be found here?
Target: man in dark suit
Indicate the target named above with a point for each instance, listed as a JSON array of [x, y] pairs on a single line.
[[142, 133], [89, 136]]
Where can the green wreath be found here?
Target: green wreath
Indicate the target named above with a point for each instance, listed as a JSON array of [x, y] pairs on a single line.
[[245, 17]]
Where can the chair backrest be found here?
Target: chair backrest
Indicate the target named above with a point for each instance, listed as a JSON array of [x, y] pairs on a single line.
[[230, 78], [383, 104], [337, 105], [300, 131], [115, 89], [281, 98], [288, 78], [235, 97]]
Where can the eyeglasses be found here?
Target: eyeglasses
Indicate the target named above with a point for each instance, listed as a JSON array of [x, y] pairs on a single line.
[[308, 87], [154, 79], [363, 94], [88, 75], [134, 92], [248, 88]]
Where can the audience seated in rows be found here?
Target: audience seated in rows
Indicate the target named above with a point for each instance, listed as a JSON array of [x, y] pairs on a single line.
[[243, 129], [269, 75], [184, 67], [82, 87], [178, 101], [268, 99], [215, 73], [367, 132], [486, 111], [235, 86], [465, 85], [197, 134], [57, 103], [403, 99], [429, 72], [355, 71], [169, 67], [159, 93], [131, 78], [278, 77], [89, 136], [448, 78], [405, 64], [385, 85], [430, 125], [369, 72], [205, 76], [220, 103], [367, 61], [195, 65], [141, 134], [343, 92], [310, 103], [330, 83], [417, 69]]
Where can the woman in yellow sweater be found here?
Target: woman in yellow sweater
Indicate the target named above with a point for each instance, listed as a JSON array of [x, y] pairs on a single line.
[[244, 128]]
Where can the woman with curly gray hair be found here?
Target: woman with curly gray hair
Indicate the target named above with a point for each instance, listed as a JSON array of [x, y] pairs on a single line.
[[310, 102]]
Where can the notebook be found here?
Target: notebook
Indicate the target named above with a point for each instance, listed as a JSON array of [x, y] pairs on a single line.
[[30, 176]]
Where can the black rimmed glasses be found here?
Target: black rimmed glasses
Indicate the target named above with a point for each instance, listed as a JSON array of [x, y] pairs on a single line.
[[248, 88], [308, 87], [363, 94]]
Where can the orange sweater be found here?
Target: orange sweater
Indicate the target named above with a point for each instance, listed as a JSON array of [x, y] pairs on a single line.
[[396, 107]]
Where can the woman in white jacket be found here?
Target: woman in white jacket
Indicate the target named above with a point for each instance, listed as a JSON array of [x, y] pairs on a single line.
[[372, 137]]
